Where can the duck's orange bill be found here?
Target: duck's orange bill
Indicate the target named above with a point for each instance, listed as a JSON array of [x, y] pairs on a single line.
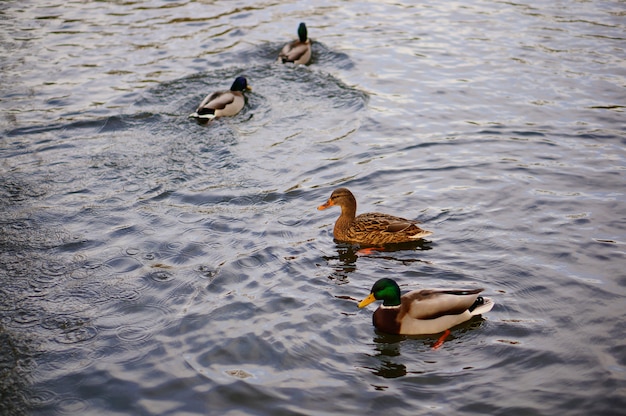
[[326, 205], [367, 301]]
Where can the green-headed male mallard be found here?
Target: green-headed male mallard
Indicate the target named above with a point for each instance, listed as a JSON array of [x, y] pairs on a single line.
[[223, 103], [422, 312], [298, 51], [374, 228]]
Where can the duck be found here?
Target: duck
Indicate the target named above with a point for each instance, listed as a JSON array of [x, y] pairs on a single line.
[[298, 51], [223, 103], [423, 312], [373, 228]]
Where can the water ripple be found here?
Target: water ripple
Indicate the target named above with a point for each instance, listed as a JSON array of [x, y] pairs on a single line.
[[41, 398], [161, 276], [77, 335], [27, 318], [150, 264], [123, 264], [144, 321], [72, 405]]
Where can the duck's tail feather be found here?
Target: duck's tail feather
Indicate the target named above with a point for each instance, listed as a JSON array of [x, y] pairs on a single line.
[[206, 117], [420, 234], [481, 305]]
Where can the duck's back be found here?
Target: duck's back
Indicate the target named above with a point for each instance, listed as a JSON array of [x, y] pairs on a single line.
[[377, 228], [297, 52]]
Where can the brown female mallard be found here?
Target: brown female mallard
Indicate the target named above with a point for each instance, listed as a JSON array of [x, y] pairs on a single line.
[[298, 51], [422, 312], [223, 103], [373, 228]]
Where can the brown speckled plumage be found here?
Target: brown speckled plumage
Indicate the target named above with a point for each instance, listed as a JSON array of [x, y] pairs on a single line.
[[373, 228]]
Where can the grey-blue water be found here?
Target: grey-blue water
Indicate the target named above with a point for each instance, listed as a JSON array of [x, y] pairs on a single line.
[[150, 265]]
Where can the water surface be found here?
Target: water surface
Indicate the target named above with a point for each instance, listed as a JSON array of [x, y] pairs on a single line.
[[152, 265]]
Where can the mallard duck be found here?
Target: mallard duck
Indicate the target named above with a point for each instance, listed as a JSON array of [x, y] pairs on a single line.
[[422, 312], [372, 228], [298, 51], [223, 103]]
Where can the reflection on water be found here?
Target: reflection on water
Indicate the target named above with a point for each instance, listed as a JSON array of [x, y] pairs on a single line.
[[387, 349], [388, 360], [151, 265], [345, 261]]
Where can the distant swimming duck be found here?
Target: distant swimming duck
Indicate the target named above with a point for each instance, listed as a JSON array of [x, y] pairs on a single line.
[[298, 51], [422, 312], [223, 103], [373, 228]]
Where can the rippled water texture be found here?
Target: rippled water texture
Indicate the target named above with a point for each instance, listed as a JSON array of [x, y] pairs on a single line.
[[151, 265]]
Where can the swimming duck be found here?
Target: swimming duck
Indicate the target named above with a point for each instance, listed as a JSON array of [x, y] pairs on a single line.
[[422, 312], [298, 51], [223, 103], [372, 228]]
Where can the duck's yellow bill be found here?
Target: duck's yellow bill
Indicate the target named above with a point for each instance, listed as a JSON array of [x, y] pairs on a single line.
[[367, 301]]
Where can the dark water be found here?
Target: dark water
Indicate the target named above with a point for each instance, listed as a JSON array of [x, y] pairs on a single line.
[[151, 265]]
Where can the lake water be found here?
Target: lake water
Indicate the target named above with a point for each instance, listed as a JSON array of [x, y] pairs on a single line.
[[150, 265]]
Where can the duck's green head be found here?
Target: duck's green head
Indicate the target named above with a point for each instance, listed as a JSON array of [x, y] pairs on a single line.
[[240, 84], [302, 33], [386, 290]]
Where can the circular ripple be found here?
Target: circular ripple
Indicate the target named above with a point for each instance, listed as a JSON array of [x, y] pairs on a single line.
[[41, 283], [25, 317], [7, 302], [161, 276], [87, 269], [173, 246], [123, 264], [91, 265], [119, 353], [197, 234], [77, 335], [72, 406], [207, 272], [132, 333], [63, 322], [45, 279], [17, 270], [73, 300], [54, 269], [88, 294], [68, 359], [140, 323], [41, 397], [132, 251], [189, 218], [22, 225], [128, 294], [250, 262]]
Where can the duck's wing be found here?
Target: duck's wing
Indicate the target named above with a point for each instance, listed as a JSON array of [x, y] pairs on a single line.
[[435, 303], [375, 221], [218, 100], [293, 51]]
